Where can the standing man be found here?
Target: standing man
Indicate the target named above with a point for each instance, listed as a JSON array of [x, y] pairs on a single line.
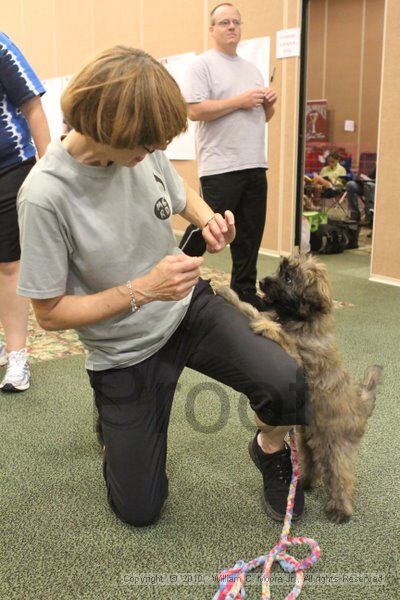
[[225, 94], [21, 119]]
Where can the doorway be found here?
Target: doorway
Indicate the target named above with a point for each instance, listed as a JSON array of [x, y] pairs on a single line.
[[340, 93]]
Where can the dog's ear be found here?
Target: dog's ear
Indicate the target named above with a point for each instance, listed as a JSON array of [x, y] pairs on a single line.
[[296, 254], [283, 264], [324, 292], [317, 293]]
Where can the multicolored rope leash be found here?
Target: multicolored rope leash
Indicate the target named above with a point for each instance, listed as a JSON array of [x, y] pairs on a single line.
[[232, 580]]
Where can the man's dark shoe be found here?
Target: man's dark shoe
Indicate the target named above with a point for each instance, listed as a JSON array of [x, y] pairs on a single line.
[[276, 470]]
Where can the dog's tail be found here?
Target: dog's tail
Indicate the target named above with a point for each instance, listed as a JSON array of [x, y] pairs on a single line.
[[368, 386], [230, 296]]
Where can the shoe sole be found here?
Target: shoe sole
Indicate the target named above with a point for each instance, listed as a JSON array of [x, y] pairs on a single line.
[[8, 388], [267, 507]]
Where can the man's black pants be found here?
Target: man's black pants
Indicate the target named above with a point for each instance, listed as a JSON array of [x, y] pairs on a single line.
[[134, 403], [245, 194]]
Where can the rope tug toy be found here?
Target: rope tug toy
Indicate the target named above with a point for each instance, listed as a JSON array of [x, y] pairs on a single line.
[[232, 579]]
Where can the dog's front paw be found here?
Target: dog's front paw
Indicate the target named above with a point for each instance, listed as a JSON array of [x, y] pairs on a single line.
[[231, 296], [269, 329], [337, 514], [274, 331]]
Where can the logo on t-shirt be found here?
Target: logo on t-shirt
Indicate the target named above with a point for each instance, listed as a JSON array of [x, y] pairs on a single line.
[[161, 207], [159, 180]]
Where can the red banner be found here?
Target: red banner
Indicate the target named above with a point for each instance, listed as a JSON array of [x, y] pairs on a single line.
[[317, 120]]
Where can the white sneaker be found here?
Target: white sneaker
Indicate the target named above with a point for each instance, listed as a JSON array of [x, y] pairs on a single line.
[[17, 374], [3, 355]]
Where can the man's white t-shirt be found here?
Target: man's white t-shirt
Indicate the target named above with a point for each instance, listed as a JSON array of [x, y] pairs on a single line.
[[235, 141]]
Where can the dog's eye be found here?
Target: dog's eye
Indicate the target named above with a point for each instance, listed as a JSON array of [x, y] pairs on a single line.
[[288, 279]]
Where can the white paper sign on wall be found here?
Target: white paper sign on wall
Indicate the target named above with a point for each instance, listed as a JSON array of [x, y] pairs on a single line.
[[183, 146], [288, 42]]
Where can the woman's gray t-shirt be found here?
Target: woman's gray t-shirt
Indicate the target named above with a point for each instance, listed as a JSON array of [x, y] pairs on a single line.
[[86, 229]]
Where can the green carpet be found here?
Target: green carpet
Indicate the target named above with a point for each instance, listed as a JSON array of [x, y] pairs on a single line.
[[59, 538]]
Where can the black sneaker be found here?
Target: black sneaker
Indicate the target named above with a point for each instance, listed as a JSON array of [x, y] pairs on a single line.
[[276, 470]]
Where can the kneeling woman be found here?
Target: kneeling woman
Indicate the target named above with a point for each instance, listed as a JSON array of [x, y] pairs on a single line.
[[99, 256]]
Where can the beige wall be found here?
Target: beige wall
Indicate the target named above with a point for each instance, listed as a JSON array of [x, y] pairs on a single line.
[[344, 66], [385, 264]]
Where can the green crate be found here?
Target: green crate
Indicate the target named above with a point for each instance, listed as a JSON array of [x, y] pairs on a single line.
[[315, 219]]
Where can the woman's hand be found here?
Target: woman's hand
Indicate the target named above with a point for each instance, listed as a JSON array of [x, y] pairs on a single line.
[[219, 231], [173, 278]]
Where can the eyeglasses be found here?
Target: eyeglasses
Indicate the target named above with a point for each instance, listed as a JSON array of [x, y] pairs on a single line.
[[148, 150], [227, 22]]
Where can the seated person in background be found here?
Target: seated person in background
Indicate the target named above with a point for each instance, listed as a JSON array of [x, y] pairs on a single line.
[[329, 180], [363, 186], [330, 176]]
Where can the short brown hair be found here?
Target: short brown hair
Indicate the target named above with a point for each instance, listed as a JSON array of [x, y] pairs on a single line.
[[212, 13], [124, 98]]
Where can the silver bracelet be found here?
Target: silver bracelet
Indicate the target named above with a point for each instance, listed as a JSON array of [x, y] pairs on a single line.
[[209, 221], [134, 306]]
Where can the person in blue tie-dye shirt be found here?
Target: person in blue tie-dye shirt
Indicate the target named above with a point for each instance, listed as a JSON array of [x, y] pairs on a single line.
[[23, 133]]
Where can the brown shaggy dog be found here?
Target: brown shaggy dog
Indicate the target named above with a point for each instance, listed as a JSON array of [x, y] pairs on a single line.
[[299, 317]]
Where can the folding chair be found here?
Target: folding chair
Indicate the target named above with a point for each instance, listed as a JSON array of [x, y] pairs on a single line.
[[339, 195]]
